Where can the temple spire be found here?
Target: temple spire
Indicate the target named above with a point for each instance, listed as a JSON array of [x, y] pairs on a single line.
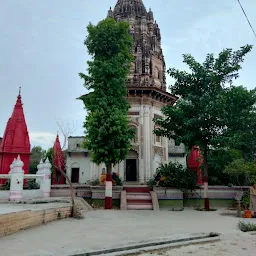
[[15, 140]]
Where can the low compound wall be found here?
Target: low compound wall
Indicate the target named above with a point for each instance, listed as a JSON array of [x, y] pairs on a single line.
[[168, 198], [219, 196], [13, 222], [94, 195], [27, 194]]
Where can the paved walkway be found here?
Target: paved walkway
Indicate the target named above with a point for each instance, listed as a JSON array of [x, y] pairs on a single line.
[[107, 229]]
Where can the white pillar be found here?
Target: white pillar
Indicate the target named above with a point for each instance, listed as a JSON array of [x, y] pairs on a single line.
[[40, 168], [17, 176], [141, 146], [121, 170], [46, 181], [147, 148]]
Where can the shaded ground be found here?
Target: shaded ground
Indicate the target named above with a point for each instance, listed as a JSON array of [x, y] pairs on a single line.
[[106, 229]]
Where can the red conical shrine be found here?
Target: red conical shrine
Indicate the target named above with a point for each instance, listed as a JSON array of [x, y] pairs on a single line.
[[194, 163], [58, 162], [15, 140]]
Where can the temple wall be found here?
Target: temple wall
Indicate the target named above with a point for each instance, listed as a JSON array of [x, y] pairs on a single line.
[[79, 160], [168, 198]]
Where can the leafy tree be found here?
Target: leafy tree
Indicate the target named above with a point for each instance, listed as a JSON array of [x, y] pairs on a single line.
[[209, 112], [107, 129], [242, 172], [218, 159], [37, 153]]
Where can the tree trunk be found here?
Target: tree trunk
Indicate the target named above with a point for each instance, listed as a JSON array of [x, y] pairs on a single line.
[[206, 199], [108, 188], [71, 190]]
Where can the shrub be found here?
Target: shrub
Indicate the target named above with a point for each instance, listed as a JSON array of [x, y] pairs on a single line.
[[6, 185], [118, 181], [178, 177], [151, 183], [95, 182], [246, 226], [31, 184], [245, 201]]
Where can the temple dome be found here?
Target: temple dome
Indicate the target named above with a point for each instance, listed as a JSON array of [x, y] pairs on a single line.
[[129, 8]]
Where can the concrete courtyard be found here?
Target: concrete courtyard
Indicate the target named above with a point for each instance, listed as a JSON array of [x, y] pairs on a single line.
[[107, 229]]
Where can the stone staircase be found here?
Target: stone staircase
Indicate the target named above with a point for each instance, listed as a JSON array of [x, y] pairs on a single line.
[[137, 198]]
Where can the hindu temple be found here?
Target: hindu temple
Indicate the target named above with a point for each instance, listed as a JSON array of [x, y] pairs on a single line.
[[15, 140], [147, 94]]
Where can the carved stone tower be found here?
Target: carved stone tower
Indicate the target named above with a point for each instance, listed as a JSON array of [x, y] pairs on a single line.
[[146, 91]]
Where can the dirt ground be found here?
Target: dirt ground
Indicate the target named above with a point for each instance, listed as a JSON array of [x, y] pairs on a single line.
[[109, 229]]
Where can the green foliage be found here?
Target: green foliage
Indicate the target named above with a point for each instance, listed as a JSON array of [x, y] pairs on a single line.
[[217, 161], [209, 113], [151, 183], [246, 226], [118, 181], [178, 177], [31, 184], [241, 172], [6, 185], [107, 129], [95, 182], [37, 153], [245, 201]]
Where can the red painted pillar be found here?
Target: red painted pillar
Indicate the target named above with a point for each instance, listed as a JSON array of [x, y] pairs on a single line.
[[206, 199], [108, 192]]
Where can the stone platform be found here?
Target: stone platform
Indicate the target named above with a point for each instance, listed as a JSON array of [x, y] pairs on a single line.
[[16, 216]]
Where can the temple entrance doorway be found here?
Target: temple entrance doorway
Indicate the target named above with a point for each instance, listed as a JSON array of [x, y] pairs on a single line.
[[131, 167], [75, 175]]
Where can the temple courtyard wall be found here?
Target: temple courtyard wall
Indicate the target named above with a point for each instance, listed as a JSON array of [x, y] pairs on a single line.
[[168, 198]]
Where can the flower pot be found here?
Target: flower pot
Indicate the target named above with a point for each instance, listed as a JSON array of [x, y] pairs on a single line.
[[247, 214]]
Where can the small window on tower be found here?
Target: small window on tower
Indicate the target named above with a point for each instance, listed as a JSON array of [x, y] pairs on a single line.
[[78, 145]]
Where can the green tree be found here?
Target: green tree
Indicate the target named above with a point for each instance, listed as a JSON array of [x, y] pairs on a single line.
[[107, 129], [37, 153], [218, 159], [209, 112], [242, 172]]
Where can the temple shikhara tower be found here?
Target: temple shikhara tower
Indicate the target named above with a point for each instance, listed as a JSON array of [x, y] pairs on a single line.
[[58, 163], [15, 140], [147, 94]]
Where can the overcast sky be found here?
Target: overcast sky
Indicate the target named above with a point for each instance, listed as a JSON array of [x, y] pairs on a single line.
[[41, 49]]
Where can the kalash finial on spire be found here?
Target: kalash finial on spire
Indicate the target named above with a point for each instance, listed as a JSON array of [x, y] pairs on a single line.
[[19, 90]]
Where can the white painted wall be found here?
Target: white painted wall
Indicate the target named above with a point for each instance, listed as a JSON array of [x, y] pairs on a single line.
[[79, 160], [27, 194]]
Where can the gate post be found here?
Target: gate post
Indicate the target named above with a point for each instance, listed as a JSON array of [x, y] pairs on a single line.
[[46, 181], [17, 177]]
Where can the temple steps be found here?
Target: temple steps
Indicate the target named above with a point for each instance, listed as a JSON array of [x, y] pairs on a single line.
[[138, 198]]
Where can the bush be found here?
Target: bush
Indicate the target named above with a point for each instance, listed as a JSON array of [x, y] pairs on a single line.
[[245, 201], [246, 226], [178, 177], [6, 185], [118, 181], [151, 183], [95, 182], [31, 184]]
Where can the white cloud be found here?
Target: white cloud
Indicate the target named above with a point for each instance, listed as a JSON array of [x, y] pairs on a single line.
[[43, 139]]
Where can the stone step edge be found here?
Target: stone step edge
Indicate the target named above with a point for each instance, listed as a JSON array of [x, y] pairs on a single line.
[[153, 246]]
